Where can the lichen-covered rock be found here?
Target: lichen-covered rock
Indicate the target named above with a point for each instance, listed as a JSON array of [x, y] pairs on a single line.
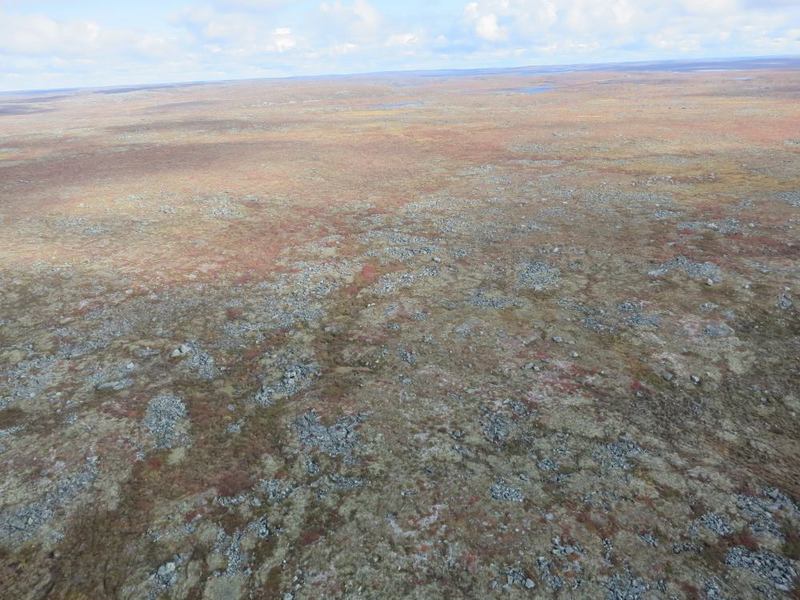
[[166, 421]]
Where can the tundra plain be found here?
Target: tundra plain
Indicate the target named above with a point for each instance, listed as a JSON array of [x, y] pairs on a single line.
[[430, 336]]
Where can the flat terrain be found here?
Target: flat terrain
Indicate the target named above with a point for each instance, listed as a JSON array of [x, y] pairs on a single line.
[[429, 336]]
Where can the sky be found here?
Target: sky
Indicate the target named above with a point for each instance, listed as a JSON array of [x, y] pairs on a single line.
[[74, 43]]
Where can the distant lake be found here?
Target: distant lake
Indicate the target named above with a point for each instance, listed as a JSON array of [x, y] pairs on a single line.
[[534, 89], [395, 105]]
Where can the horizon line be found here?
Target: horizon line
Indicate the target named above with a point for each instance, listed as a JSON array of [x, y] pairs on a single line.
[[546, 68]]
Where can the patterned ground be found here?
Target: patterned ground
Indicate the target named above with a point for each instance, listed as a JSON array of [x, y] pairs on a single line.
[[403, 336]]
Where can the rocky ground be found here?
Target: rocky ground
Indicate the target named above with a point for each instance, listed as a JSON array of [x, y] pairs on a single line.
[[406, 336]]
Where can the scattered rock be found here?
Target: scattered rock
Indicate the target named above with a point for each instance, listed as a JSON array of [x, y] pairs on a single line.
[[516, 577], [632, 313], [537, 275], [768, 565], [21, 523], [198, 361], [717, 330], [791, 198], [762, 511], [551, 580], [286, 376], [506, 493], [617, 455], [705, 271], [165, 577], [483, 299], [275, 490], [714, 522], [114, 386], [624, 586], [181, 350], [335, 440], [648, 538], [165, 420], [785, 301], [496, 428]]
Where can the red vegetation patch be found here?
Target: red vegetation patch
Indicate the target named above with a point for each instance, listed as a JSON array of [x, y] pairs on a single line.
[[638, 388], [127, 410], [233, 313], [744, 538], [603, 526], [471, 560], [369, 273], [310, 536], [562, 383], [233, 482], [192, 515]]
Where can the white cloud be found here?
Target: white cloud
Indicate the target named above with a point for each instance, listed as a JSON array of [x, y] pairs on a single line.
[[248, 38], [711, 7], [634, 28], [358, 19], [403, 39], [39, 35], [340, 49], [282, 39], [487, 28], [212, 26], [236, 33], [255, 4]]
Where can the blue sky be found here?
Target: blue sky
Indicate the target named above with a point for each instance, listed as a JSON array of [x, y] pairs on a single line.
[[93, 42]]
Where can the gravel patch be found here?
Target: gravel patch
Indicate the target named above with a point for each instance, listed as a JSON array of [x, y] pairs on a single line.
[[774, 568], [335, 440], [726, 226], [292, 378], [275, 490], [713, 591], [662, 215], [706, 271], [761, 511], [196, 360], [649, 539], [551, 580], [563, 550], [27, 380], [164, 578], [632, 314], [496, 428], [342, 484], [717, 330], [483, 299], [230, 546], [506, 493], [624, 586], [260, 527], [791, 198], [516, 577], [116, 385], [617, 455], [714, 522], [785, 301], [22, 523], [392, 282], [537, 275], [220, 206], [165, 420]]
